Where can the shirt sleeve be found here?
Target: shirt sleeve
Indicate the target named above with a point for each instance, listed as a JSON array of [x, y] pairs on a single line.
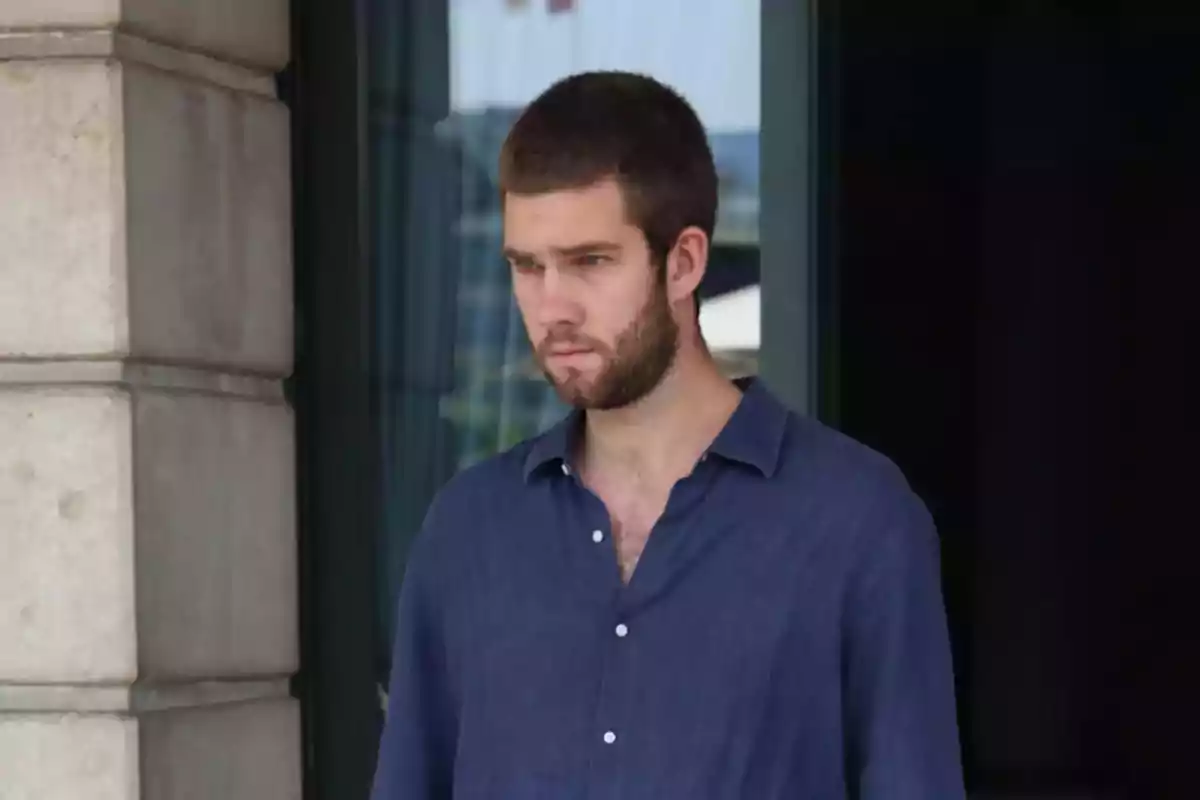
[[416, 751], [898, 680]]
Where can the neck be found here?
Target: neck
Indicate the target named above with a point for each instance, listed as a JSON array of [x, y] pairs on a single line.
[[668, 430]]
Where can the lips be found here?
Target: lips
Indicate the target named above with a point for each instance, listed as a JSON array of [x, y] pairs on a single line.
[[555, 347]]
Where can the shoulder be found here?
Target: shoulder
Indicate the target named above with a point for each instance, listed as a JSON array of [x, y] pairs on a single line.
[[815, 455], [482, 491], [844, 480], [481, 483]]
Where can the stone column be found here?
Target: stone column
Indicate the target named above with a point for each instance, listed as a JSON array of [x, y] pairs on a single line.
[[147, 512]]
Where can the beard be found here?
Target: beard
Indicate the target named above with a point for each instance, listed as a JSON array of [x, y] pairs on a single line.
[[632, 367]]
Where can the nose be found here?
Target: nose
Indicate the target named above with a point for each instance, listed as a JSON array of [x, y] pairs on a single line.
[[557, 305]]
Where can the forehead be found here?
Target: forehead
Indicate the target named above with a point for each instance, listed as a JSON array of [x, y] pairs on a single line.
[[562, 218]]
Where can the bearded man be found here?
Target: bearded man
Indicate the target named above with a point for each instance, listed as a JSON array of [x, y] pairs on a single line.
[[684, 591]]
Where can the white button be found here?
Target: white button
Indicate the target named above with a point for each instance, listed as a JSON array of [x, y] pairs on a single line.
[[566, 470], [622, 630], [610, 737], [597, 536]]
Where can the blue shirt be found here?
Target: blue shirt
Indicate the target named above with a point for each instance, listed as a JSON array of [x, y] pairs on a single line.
[[783, 635]]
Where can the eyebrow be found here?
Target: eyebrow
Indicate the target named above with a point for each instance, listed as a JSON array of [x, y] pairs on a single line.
[[574, 250]]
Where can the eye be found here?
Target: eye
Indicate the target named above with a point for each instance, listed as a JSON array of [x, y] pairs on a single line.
[[591, 260], [524, 265]]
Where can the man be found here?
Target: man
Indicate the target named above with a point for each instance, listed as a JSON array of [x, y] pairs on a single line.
[[683, 591]]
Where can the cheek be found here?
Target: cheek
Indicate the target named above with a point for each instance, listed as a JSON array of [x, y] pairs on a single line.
[[621, 313], [524, 291], [534, 331], [526, 305]]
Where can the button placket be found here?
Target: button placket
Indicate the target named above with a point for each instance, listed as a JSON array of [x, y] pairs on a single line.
[[612, 708]]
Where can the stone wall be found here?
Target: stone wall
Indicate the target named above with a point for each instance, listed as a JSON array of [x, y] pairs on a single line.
[[147, 513]]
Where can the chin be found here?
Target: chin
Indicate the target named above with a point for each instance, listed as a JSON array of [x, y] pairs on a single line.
[[575, 393], [573, 387], [573, 378]]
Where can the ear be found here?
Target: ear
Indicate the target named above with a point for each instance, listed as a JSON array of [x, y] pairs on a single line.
[[686, 264]]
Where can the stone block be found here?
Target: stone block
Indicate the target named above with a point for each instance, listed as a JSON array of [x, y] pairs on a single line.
[[241, 751], [146, 214], [59, 13], [62, 266], [66, 531], [216, 537], [252, 32], [209, 224], [235, 751], [68, 757]]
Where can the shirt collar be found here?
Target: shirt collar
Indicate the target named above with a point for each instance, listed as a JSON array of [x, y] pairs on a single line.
[[554, 446], [753, 435]]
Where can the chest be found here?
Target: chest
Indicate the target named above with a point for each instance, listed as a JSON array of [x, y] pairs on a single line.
[[683, 666], [633, 511]]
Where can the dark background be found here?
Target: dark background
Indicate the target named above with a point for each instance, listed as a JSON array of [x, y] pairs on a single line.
[[1015, 224]]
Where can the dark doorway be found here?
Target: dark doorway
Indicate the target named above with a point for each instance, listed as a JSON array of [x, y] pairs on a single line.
[[1015, 201]]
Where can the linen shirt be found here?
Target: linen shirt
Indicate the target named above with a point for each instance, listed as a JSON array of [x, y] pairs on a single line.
[[783, 635]]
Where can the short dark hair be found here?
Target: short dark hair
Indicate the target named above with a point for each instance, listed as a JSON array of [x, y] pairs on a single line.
[[596, 125]]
